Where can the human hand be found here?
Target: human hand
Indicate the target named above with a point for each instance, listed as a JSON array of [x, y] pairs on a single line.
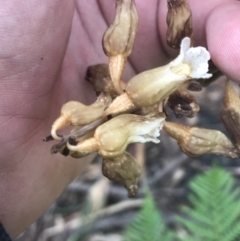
[[45, 50]]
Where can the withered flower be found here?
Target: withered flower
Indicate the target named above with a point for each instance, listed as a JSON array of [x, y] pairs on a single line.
[[77, 114], [124, 169], [155, 85], [195, 141], [231, 112], [179, 21], [183, 104], [99, 76], [112, 138], [194, 85], [119, 38]]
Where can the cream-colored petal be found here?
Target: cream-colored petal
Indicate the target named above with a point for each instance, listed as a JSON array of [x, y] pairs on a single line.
[[196, 57]]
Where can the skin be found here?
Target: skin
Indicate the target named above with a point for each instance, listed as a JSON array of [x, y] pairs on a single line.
[[46, 47]]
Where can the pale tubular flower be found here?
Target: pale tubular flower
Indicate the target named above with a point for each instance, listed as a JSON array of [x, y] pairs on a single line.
[[77, 114], [124, 169], [155, 85], [195, 141], [231, 112], [119, 38], [112, 138]]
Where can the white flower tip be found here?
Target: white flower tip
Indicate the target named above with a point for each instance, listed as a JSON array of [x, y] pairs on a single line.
[[185, 45], [149, 131], [153, 133], [196, 57]]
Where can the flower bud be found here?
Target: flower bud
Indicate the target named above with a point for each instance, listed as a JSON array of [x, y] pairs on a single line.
[[99, 76], [183, 104], [231, 112], [112, 138], [77, 114], [196, 141], [124, 169], [179, 21], [119, 38]]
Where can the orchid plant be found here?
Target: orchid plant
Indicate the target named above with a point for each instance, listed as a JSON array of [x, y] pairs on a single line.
[[134, 111]]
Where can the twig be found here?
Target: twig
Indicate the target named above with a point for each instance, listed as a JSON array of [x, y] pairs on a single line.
[[81, 221], [169, 168], [117, 192], [140, 157]]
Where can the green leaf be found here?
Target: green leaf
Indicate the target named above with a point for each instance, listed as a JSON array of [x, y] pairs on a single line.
[[215, 211], [148, 224]]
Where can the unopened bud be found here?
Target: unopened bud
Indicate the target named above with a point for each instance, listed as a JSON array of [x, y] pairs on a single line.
[[119, 38], [124, 169], [231, 112], [196, 141], [179, 21], [77, 114], [112, 138], [183, 104]]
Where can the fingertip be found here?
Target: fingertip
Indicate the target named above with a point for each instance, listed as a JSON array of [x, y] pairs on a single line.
[[223, 38]]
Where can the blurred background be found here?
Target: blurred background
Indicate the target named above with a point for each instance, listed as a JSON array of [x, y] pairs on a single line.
[[92, 208]]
